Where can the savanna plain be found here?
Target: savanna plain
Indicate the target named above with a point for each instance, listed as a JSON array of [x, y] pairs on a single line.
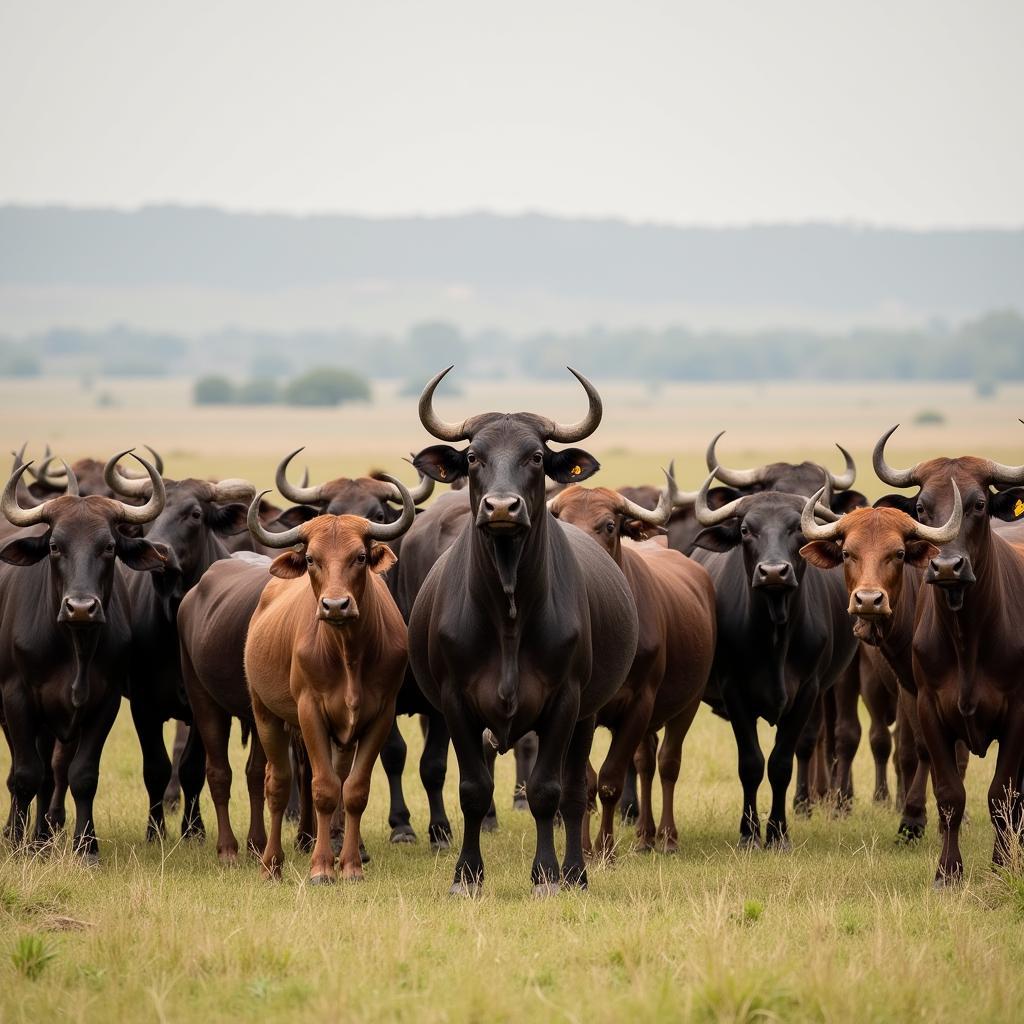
[[845, 927]]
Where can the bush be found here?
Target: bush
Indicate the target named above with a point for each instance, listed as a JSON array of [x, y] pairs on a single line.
[[30, 956], [20, 364], [213, 390], [258, 391], [327, 385], [929, 418]]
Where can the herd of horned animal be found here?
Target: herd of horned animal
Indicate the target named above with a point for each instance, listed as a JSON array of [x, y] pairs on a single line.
[[519, 611]]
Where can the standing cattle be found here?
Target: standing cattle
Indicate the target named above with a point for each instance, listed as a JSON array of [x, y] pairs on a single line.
[[968, 639], [197, 515], [522, 624], [675, 605], [783, 639], [325, 653], [64, 641]]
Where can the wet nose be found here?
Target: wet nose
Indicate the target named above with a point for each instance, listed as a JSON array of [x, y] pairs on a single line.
[[335, 607], [500, 507], [868, 602], [774, 574], [81, 609], [948, 568]]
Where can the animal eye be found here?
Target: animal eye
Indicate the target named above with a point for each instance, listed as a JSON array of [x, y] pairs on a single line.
[[744, 531], [538, 458], [920, 509], [361, 558], [379, 517], [54, 550], [471, 458], [109, 549], [610, 527], [196, 513], [979, 505], [846, 555], [309, 559], [900, 555]]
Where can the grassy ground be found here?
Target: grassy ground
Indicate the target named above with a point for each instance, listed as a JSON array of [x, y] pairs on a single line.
[[845, 927]]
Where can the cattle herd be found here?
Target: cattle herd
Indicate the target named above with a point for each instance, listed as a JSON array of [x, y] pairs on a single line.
[[520, 610]]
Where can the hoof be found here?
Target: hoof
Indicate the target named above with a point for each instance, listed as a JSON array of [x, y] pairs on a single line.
[[520, 803], [749, 843], [228, 858], [440, 845], [403, 834], [321, 880], [545, 890], [489, 825], [909, 832], [466, 890]]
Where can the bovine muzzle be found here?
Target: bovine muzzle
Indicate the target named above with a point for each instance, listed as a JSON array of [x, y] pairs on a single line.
[[81, 611], [774, 574], [948, 570], [867, 602], [336, 610], [503, 512]]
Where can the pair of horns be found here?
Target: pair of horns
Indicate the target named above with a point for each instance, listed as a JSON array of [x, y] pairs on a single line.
[[306, 495], [939, 535], [562, 433], [139, 487], [133, 514], [998, 473], [377, 531], [713, 516], [750, 477]]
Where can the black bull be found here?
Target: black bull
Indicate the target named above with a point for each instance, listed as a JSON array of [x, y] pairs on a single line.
[[523, 624], [783, 638]]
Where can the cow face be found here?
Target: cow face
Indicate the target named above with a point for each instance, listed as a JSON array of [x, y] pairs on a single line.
[[872, 546], [337, 553], [766, 527], [604, 515], [81, 543]]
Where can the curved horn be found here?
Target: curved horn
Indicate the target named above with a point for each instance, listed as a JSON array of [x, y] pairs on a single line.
[[139, 514], [712, 517], [951, 529], [71, 480], [390, 531], [233, 489], [271, 540], [567, 433], [424, 488], [13, 512], [158, 462], [659, 515], [844, 481], [885, 472], [812, 529], [43, 476], [129, 486], [680, 499], [732, 477], [303, 495], [431, 421]]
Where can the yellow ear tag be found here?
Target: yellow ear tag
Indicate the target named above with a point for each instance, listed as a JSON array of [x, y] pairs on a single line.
[[1018, 509], [576, 472], [442, 471]]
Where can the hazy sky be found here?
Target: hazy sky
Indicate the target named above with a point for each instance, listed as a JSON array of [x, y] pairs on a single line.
[[889, 112]]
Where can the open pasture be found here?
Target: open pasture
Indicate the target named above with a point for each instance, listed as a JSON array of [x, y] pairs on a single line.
[[845, 927]]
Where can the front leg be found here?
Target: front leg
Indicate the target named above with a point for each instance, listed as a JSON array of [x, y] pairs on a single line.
[[626, 737], [574, 801], [792, 726], [325, 788], [476, 787], [433, 771], [670, 758], [84, 773], [191, 776], [156, 765], [751, 768], [392, 757], [526, 757]]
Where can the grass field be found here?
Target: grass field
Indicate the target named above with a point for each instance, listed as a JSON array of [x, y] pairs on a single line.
[[846, 927]]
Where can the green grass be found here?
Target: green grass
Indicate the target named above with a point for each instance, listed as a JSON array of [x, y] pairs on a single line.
[[846, 927]]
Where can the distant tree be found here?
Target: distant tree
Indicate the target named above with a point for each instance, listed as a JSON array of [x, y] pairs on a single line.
[[213, 390], [327, 385], [433, 346], [258, 391], [20, 364]]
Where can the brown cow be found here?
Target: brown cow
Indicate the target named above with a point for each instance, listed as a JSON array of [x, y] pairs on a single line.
[[968, 642], [327, 657], [676, 610]]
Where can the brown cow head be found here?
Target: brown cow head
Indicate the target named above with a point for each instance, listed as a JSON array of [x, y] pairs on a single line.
[[873, 545], [337, 553], [608, 515], [953, 568]]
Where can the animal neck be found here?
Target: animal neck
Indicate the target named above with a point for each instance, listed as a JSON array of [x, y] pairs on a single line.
[[510, 568]]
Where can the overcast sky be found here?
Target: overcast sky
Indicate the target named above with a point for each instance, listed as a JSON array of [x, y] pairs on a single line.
[[904, 113]]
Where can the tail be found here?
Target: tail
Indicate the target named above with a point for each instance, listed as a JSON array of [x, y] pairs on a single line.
[[246, 730]]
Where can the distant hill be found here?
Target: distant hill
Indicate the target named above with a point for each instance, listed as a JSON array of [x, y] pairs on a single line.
[[497, 266]]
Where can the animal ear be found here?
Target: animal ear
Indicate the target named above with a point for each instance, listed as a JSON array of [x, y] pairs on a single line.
[[382, 558], [920, 553], [719, 496], [1007, 505], [847, 501], [637, 530], [229, 519], [570, 466], [903, 502], [719, 538], [442, 462], [289, 566], [295, 516], [25, 550], [822, 554], [142, 555]]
